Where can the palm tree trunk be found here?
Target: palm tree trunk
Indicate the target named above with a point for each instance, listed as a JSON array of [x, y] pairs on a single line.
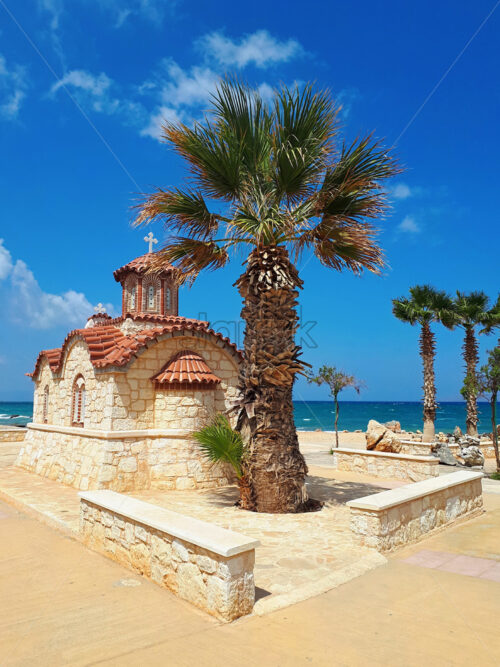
[[427, 351], [336, 421], [276, 469], [494, 432], [471, 358]]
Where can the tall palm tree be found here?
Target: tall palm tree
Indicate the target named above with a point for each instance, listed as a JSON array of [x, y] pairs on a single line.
[[469, 312], [284, 186], [424, 306]]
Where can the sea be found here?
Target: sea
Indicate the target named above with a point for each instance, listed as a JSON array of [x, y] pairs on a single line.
[[312, 415]]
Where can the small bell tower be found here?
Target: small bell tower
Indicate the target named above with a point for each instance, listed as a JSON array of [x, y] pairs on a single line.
[[146, 293]]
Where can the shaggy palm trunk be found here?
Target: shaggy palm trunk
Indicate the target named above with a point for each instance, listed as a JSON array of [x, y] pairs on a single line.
[[494, 432], [427, 351], [275, 467], [336, 421], [471, 358]]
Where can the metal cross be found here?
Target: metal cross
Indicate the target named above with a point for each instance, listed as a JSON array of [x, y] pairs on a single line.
[[150, 239], [99, 309]]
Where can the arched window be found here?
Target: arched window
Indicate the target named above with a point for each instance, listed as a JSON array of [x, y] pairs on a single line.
[[45, 404], [168, 298], [151, 294], [78, 402], [151, 298], [131, 294]]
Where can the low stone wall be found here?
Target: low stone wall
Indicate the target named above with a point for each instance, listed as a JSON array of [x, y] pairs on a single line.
[[202, 563], [119, 460], [12, 434], [395, 518], [423, 448], [404, 467]]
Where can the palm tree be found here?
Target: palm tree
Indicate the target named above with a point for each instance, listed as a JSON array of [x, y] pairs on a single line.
[[424, 306], [220, 443], [470, 311], [337, 380], [489, 386], [283, 185]]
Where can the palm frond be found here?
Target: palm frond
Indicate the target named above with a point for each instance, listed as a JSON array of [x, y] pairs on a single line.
[[305, 125], [219, 442], [343, 244], [191, 256], [182, 211]]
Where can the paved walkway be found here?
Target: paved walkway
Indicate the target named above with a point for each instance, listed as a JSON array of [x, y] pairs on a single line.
[[65, 605]]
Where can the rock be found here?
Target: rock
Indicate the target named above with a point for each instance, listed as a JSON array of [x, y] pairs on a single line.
[[471, 456], [374, 433], [389, 443], [394, 426], [381, 438], [418, 431], [443, 453], [457, 433]]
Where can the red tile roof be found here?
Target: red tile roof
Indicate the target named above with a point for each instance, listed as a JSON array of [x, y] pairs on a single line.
[[188, 368], [108, 346], [140, 265]]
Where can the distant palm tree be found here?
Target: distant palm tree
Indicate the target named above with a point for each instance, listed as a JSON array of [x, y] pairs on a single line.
[[424, 306], [284, 184], [337, 380], [470, 311], [489, 386]]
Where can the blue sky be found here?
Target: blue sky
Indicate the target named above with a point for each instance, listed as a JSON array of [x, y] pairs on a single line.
[[84, 84]]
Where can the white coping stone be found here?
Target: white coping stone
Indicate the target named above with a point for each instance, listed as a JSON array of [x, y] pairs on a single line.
[[202, 534], [388, 455], [403, 494], [111, 435], [426, 444]]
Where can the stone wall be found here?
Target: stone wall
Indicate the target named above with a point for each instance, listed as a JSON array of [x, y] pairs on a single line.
[[382, 464], [12, 434], [125, 461], [206, 565], [392, 519]]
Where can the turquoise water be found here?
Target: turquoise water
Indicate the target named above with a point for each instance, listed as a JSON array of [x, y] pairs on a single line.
[[310, 415]]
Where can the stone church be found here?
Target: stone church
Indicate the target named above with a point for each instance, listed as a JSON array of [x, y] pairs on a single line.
[[115, 404]]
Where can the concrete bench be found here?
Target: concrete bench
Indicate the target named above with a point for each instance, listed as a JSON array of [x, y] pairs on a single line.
[[405, 467], [398, 517], [200, 562]]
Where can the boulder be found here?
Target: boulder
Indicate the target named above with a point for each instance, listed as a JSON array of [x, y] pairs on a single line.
[[389, 443], [374, 433], [393, 426], [443, 453], [457, 433], [381, 438], [471, 456]]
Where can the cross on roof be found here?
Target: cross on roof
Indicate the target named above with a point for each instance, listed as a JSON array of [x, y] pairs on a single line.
[[99, 309], [150, 239]]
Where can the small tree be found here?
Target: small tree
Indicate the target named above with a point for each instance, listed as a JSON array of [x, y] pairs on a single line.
[[337, 380], [489, 386], [220, 443]]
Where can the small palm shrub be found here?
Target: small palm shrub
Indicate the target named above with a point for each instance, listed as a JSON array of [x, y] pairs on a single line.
[[220, 443]]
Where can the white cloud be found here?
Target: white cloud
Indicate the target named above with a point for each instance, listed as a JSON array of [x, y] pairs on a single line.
[[13, 85], [410, 225], [120, 11], [260, 49], [162, 114], [5, 261], [41, 310], [92, 90], [37, 309], [401, 191]]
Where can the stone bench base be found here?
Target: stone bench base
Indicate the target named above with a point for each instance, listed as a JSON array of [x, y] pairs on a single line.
[[395, 518], [200, 562], [404, 467]]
